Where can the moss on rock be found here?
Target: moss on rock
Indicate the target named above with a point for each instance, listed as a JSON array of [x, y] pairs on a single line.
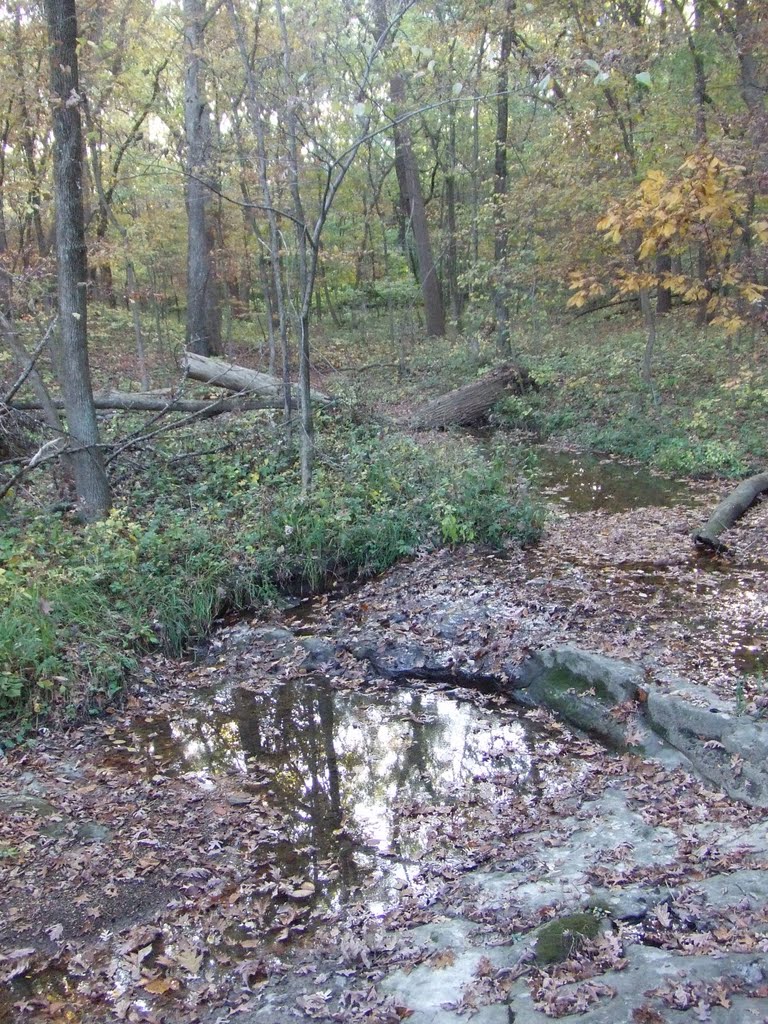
[[561, 938]]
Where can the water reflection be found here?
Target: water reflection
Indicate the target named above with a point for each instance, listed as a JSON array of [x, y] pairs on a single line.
[[587, 482], [344, 768]]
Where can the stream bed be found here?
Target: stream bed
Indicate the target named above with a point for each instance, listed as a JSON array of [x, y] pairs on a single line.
[[274, 830]]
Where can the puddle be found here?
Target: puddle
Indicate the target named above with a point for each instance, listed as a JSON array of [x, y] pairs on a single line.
[[585, 483], [343, 769]]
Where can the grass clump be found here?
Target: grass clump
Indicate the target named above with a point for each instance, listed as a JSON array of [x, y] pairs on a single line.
[[199, 527]]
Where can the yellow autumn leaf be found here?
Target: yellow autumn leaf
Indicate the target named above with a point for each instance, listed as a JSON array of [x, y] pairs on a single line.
[[648, 248], [731, 325], [752, 292], [159, 986]]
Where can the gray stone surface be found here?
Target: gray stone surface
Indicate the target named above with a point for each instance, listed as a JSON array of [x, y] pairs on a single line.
[[727, 749], [649, 969]]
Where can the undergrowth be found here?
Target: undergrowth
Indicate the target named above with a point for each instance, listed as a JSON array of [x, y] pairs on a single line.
[[205, 522], [704, 417]]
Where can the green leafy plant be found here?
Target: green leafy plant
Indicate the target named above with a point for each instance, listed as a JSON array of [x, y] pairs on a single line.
[[191, 539]]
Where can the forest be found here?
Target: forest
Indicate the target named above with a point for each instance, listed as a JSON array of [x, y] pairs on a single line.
[[383, 533], [377, 202]]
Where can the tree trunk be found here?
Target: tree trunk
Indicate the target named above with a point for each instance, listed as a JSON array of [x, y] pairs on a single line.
[[413, 200], [473, 402], [73, 371], [27, 368], [28, 142], [132, 291], [501, 233], [307, 266], [649, 318], [203, 312], [235, 378], [752, 87], [663, 295], [6, 280], [728, 511], [456, 295], [275, 261]]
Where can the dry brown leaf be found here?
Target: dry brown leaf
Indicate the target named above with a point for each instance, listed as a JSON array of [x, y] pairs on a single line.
[[443, 958], [159, 986]]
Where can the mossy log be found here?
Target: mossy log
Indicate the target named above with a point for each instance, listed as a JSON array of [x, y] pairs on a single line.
[[472, 402], [728, 511]]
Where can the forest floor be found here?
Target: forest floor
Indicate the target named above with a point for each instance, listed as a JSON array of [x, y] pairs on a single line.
[[270, 831], [267, 829]]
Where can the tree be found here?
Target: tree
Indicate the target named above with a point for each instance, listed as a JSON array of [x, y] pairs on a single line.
[[203, 309], [501, 233], [84, 451], [702, 205], [411, 194]]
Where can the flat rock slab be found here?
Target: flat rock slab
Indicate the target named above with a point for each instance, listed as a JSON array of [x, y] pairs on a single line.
[[728, 749], [658, 987]]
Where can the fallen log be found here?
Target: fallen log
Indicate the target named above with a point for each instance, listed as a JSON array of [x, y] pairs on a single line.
[[142, 401], [236, 378], [472, 402], [728, 511]]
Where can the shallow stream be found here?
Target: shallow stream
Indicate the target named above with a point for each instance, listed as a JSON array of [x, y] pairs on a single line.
[[347, 765], [359, 796]]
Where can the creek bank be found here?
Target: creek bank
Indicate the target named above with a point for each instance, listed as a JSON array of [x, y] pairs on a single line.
[[610, 699], [287, 833], [615, 701]]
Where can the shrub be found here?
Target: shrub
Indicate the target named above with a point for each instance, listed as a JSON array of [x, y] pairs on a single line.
[[191, 537]]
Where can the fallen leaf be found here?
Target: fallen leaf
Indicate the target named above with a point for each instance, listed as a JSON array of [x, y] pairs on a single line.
[[190, 959], [159, 986], [441, 959]]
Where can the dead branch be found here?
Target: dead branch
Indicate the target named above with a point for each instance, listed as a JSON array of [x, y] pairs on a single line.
[[143, 401]]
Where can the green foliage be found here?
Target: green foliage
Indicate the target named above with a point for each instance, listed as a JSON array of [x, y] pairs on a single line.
[[191, 537], [560, 939], [713, 403]]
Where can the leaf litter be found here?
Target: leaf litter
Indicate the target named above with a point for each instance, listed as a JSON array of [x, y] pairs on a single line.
[[186, 859]]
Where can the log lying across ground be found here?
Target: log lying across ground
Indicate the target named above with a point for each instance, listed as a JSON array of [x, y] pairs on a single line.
[[473, 402], [254, 390], [226, 375], [728, 511], [144, 401]]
